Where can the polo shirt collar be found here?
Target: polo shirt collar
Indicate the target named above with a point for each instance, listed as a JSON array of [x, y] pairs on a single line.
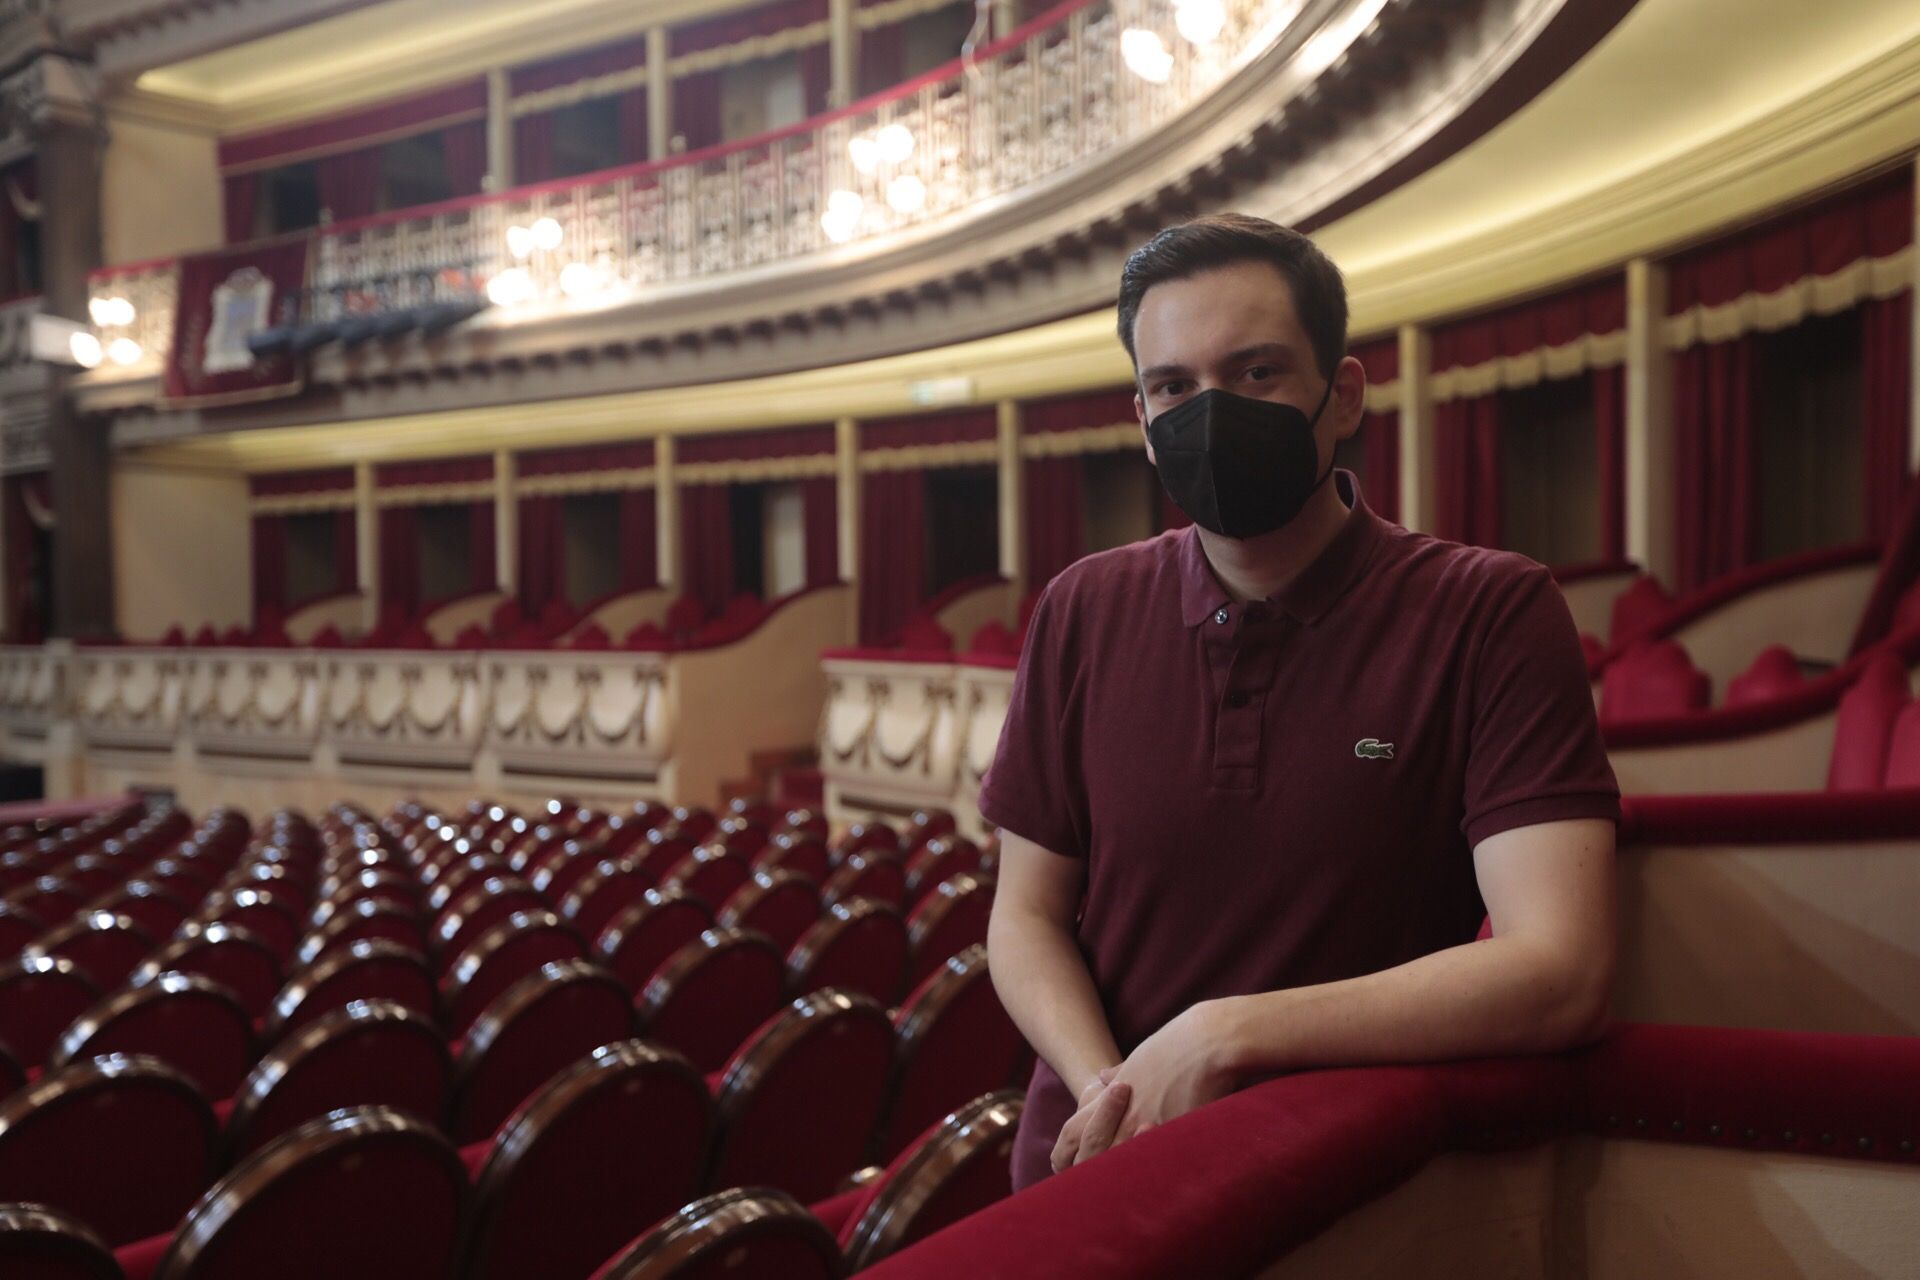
[[1313, 590]]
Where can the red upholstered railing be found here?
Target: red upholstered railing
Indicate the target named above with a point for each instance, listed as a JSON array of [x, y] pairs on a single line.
[[1744, 582], [1227, 1189], [1721, 724], [1567, 575], [1789, 817]]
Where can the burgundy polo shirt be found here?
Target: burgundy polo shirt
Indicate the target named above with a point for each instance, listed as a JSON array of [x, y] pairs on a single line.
[[1285, 793]]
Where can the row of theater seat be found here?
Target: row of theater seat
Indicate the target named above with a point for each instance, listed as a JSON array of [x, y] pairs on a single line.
[[540, 1011]]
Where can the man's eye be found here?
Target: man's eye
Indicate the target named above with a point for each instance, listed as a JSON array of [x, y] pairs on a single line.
[[1260, 372], [1172, 388]]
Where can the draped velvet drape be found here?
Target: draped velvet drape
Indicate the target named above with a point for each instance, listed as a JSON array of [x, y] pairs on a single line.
[[1886, 366], [639, 540], [893, 552], [542, 552], [706, 544], [820, 498], [399, 563], [242, 195], [464, 149], [1056, 527], [1467, 441], [1610, 435], [1716, 487], [269, 567], [350, 183]]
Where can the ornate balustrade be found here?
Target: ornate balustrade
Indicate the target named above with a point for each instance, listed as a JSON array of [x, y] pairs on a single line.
[[898, 735], [23, 388], [675, 725]]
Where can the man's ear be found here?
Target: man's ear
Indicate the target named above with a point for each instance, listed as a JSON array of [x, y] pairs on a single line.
[[1140, 415], [1349, 396]]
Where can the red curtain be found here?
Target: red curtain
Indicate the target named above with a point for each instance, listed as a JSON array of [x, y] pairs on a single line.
[[821, 496], [464, 147], [269, 567], [1715, 480], [399, 563], [893, 552], [242, 206], [706, 545], [346, 550], [1886, 368], [1056, 530], [543, 553], [816, 76], [634, 126], [350, 183], [1467, 441], [1610, 433], [696, 109], [26, 612], [882, 62], [483, 560], [533, 148], [639, 540], [1380, 437]]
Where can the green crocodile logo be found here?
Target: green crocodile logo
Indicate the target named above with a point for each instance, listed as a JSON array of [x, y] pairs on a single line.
[[1373, 749]]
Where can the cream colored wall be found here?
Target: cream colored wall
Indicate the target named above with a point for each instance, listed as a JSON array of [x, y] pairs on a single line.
[[161, 192], [1793, 937], [181, 550], [1587, 1209], [1814, 616]]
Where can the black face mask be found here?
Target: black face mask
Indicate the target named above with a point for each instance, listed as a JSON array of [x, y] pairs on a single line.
[[1239, 466]]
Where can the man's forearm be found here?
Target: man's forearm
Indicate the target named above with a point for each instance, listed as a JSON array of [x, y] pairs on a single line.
[[1496, 996], [1044, 985]]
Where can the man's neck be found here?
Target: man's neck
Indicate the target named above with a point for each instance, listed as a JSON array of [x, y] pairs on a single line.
[[1255, 568]]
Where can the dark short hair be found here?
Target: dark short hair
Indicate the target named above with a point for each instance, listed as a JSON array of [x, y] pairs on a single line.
[[1222, 239]]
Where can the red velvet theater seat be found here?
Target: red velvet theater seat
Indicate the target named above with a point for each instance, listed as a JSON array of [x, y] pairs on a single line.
[[543, 1023], [506, 953], [38, 1243], [1775, 673], [371, 1053], [364, 920], [221, 953], [709, 873], [859, 837], [647, 934], [1653, 680], [106, 945], [476, 909], [124, 1144], [187, 1022], [369, 1193], [711, 994], [666, 845], [613, 885], [608, 1147], [696, 822], [18, 928], [781, 904], [365, 970], [936, 859], [39, 998], [1638, 610], [1863, 728], [13, 1073], [860, 945], [952, 919], [867, 873], [798, 1103], [952, 1171], [1903, 749], [48, 898], [796, 851], [556, 872], [741, 836], [273, 916], [152, 907], [955, 1042], [740, 1234]]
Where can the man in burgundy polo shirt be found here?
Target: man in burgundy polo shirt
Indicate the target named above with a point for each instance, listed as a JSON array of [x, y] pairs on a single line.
[[1259, 775]]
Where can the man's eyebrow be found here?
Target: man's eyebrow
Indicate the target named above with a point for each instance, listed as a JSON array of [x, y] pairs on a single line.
[[1244, 353]]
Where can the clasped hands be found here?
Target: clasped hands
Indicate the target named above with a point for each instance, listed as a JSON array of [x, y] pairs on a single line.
[[1173, 1071]]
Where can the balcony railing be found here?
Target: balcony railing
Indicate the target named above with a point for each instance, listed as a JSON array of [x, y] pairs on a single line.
[[1052, 97]]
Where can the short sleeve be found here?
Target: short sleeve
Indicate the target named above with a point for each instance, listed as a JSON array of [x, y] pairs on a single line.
[[1535, 753], [1034, 787]]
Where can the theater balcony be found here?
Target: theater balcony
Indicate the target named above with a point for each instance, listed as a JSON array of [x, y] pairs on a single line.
[[984, 196]]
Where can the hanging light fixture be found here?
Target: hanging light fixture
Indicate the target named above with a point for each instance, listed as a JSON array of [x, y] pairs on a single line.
[[907, 194], [520, 242], [1199, 22], [85, 349], [842, 216], [864, 153], [895, 143], [510, 288], [547, 234], [124, 351]]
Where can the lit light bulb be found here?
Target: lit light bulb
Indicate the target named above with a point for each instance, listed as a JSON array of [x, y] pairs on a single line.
[[1146, 55], [907, 194], [864, 153], [124, 351], [547, 234], [838, 229], [1200, 22], [520, 242], [510, 288], [847, 204], [120, 312], [86, 351], [577, 280], [895, 143], [100, 309]]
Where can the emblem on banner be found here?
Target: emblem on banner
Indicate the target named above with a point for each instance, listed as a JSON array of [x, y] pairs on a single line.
[[242, 306]]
